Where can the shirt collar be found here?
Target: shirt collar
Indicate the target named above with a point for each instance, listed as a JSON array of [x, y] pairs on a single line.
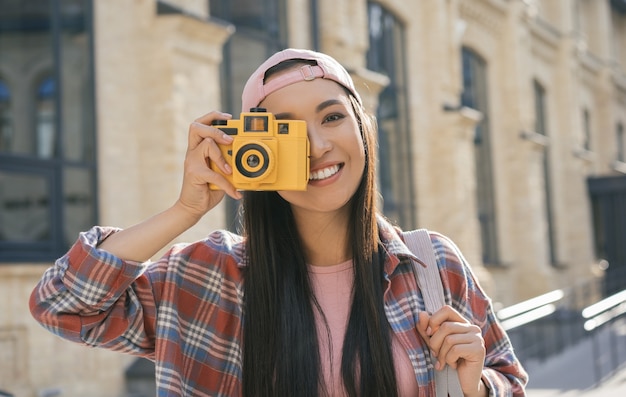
[[390, 236]]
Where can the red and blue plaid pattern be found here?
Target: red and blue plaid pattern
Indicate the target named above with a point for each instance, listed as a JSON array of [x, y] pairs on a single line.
[[185, 311]]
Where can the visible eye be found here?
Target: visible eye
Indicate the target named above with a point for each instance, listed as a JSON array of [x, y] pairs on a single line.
[[333, 117]]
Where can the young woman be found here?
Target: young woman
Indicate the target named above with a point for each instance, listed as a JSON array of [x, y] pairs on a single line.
[[315, 298]]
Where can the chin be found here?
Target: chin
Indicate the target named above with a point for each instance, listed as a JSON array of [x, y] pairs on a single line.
[[323, 202]]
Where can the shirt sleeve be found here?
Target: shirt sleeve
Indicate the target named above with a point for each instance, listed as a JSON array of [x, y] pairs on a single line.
[[503, 373], [94, 298]]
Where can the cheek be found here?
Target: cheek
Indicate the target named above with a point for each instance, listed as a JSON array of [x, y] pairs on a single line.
[[361, 156], [362, 159], [354, 140]]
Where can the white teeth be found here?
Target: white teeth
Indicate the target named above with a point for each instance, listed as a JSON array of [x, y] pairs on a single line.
[[323, 174]]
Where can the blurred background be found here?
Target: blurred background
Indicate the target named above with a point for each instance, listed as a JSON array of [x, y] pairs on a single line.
[[501, 125]]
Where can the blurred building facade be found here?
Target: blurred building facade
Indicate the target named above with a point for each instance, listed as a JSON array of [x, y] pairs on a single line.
[[501, 125]]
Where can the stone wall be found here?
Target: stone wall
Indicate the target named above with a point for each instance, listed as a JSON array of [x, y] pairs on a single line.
[[156, 73]]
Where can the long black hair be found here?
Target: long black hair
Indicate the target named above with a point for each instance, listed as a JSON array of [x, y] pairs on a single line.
[[280, 342]]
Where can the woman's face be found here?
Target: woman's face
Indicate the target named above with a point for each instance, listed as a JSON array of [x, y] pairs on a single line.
[[337, 152]]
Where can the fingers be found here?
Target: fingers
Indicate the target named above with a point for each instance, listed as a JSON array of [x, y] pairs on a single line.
[[451, 337], [201, 128], [208, 152], [204, 140], [456, 341], [423, 327], [203, 150], [446, 313]]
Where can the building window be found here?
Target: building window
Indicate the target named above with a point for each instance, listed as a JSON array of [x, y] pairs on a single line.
[[586, 143], [386, 55], [541, 127], [621, 145], [5, 117], [475, 96], [618, 33], [47, 129], [261, 30], [586, 14], [45, 117]]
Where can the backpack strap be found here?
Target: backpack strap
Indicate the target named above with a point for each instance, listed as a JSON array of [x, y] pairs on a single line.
[[429, 283]]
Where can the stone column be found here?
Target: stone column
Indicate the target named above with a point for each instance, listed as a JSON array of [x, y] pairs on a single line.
[[155, 75]]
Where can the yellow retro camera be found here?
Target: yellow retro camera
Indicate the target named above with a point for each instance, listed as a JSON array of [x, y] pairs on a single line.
[[266, 154]]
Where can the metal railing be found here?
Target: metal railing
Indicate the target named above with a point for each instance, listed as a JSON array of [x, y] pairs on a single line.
[[599, 316], [547, 325]]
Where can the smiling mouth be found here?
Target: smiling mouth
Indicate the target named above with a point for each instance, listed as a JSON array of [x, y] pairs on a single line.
[[324, 173]]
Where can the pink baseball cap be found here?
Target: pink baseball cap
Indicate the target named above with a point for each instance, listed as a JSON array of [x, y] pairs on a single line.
[[327, 67]]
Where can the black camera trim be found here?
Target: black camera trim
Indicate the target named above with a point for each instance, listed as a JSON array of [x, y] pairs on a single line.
[[239, 158]]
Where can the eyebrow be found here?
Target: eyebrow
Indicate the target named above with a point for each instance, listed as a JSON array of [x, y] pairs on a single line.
[[326, 104], [319, 108]]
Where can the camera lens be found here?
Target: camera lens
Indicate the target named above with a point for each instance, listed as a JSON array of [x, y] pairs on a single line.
[[253, 161]]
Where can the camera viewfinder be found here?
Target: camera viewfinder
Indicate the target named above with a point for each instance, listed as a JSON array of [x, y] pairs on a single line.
[[283, 128], [255, 124]]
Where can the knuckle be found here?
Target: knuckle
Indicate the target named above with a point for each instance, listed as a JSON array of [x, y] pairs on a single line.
[[446, 327]]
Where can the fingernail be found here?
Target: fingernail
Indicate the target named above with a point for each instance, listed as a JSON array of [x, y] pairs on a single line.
[[429, 331], [227, 168], [227, 137]]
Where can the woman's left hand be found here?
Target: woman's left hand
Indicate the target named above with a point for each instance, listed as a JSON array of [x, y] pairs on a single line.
[[453, 340]]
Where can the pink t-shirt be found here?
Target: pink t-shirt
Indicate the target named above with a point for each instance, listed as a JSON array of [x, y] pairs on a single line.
[[332, 286]]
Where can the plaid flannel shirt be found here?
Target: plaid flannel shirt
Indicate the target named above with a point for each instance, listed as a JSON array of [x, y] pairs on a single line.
[[185, 311]]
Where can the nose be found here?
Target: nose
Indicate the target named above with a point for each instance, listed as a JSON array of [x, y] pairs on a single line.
[[319, 142]]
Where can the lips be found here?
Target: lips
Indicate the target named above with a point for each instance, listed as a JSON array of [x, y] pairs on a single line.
[[324, 173]]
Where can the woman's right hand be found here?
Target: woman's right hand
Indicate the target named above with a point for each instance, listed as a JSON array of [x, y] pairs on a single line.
[[141, 241], [202, 148]]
